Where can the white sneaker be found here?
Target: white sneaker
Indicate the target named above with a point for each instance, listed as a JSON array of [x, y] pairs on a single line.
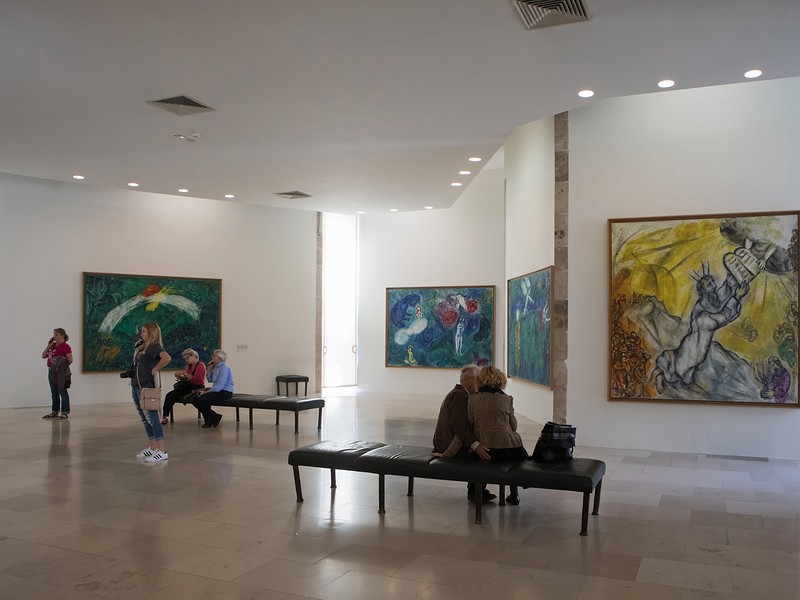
[[145, 453], [157, 456]]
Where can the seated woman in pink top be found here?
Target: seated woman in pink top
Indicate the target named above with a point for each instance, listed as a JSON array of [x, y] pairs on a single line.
[[193, 378]]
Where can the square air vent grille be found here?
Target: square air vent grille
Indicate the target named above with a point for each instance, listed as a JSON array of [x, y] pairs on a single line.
[[537, 14], [181, 105], [293, 195]]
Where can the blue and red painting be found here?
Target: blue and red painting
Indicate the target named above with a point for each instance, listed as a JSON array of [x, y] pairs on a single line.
[[443, 328], [529, 309]]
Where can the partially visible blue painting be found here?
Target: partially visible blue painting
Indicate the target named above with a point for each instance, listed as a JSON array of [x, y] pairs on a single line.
[[529, 308], [438, 327]]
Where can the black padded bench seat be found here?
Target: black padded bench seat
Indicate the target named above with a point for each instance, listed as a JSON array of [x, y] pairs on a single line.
[[295, 404], [583, 475]]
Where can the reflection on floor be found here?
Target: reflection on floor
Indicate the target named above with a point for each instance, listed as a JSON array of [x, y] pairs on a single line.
[[81, 518]]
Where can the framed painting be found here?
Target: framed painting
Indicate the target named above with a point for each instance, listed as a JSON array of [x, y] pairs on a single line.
[[115, 307], [704, 309], [439, 327], [530, 298]]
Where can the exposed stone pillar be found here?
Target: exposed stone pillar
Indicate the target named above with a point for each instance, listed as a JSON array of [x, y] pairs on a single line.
[[318, 307], [560, 267]]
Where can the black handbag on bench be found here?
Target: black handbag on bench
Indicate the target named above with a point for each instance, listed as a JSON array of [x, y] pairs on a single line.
[[555, 443]]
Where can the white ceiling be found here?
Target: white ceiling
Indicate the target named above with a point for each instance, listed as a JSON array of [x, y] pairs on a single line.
[[364, 104]]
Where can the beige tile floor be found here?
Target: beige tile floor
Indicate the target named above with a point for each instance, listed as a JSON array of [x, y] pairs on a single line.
[[81, 518]]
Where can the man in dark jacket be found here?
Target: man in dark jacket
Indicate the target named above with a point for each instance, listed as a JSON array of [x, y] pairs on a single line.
[[453, 422]]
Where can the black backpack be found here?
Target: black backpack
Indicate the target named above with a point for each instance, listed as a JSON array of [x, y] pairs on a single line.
[[555, 443]]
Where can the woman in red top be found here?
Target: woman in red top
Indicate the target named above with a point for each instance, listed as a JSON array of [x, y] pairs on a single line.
[[58, 351], [193, 378]]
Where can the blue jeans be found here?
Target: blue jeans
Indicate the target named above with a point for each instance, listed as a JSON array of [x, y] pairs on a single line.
[[59, 397], [150, 419]]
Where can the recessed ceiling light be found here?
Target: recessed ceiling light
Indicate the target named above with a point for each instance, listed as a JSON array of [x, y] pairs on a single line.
[[465, 172], [666, 83], [474, 159], [230, 196], [132, 184], [394, 210], [428, 208], [77, 176], [361, 212], [586, 93], [753, 73], [456, 184], [183, 190]]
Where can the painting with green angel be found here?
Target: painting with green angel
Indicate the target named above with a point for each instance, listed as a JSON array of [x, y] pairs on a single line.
[[115, 306], [705, 309], [439, 327], [530, 299]]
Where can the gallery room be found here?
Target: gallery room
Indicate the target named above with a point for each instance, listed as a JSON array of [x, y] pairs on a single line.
[[663, 217]]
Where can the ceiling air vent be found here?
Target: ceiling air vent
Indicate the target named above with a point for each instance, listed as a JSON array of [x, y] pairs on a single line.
[[546, 13], [294, 195], [181, 106]]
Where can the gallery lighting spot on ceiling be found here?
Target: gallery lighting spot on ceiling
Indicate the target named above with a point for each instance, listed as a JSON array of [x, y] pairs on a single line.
[[753, 73], [586, 93], [394, 210], [183, 190], [428, 208], [77, 177], [474, 159], [456, 184], [230, 196], [666, 83], [133, 184], [465, 172]]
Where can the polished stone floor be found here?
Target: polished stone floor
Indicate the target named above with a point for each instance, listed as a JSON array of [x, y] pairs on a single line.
[[80, 517]]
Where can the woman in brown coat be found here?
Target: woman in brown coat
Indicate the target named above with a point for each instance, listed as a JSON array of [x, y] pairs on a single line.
[[491, 413]]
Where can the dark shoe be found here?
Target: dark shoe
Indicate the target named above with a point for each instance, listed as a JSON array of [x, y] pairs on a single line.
[[512, 500], [51, 416], [487, 497], [206, 424], [219, 418]]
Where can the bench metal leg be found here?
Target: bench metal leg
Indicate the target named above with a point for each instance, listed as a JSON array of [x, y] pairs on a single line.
[[410, 486], [596, 507], [502, 491], [478, 503], [297, 489], [237, 413], [333, 479], [319, 419], [277, 417], [251, 417], [585, 513], [296, 421], [381, 493]]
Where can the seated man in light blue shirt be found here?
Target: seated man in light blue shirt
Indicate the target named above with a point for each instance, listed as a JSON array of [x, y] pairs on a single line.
[[220, 376]]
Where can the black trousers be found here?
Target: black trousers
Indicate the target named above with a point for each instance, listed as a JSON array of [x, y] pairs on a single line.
[[184, 395], [203, 404]]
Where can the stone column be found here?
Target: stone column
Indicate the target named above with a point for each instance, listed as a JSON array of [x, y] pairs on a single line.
[[560, 312]]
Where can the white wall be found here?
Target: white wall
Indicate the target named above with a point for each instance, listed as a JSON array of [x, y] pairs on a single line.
[[713, 150], [51, 232], [460, 246], [530, 190]]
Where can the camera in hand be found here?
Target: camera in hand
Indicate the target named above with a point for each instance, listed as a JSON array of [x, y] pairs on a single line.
[[127, 374]]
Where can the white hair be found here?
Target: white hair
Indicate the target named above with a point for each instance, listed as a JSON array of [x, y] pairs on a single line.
[[221, 353]]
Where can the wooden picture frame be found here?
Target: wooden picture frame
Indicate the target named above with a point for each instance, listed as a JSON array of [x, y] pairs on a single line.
[[704, 309]]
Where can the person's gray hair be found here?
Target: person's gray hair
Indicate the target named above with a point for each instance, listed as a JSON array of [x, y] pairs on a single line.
[[221, 353], [190, 352], [469, 372]]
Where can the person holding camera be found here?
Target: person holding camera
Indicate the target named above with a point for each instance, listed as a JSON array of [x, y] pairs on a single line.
[[193, 378], [59, 357], [148, 359], [221, 379]]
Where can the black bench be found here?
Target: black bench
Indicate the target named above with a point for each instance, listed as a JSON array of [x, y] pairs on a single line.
[[579, 475], [295, 404]]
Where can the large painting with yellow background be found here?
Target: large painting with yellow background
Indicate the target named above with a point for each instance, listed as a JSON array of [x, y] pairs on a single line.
[[705, 309]]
